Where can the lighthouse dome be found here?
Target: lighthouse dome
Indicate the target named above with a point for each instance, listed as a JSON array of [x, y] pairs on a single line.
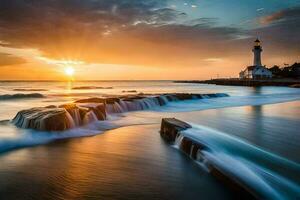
[[257, 42]]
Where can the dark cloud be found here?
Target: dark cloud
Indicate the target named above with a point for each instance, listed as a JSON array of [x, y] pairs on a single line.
[[75, 28], [131, 31], [281, 30], [7, 59], [282, 16]]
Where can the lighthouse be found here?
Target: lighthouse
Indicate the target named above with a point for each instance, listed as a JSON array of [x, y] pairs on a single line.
[[257, 53], [256, 71]]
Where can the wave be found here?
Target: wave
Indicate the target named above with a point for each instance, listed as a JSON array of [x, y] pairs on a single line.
[[4, 122], [29, 90], [90, 88], [21, 96], [266, 175], [129, 91], [231, 101], [29, 138], [84, 111]]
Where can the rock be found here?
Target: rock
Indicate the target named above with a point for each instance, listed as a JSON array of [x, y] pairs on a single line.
[[295, 85], [185, 96], [129, 91], [44, 119], [109, 100], [91, 100], [83, 111], [78, 113], [196, 148], [132, 98], [97, 108], [170, 128], [186, 145], [51, 106]]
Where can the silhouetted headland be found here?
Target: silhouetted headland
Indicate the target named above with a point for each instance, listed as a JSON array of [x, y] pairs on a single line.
[[248, 82]]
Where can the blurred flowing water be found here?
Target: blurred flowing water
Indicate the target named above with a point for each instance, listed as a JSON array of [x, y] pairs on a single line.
[[133, 162]]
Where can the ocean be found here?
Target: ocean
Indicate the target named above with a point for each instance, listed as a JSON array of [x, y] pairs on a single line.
[[254, 133]]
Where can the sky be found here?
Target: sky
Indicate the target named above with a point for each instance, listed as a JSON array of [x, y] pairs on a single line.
[[143, 39]]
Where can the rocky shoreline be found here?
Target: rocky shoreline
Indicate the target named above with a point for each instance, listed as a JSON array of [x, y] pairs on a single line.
[[251, 83], [85, 111]]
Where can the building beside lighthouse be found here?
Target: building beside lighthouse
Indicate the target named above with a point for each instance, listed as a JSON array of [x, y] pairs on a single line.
[[256, 71]]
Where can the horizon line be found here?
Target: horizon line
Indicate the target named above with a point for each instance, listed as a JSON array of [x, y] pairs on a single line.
[[113, 80]]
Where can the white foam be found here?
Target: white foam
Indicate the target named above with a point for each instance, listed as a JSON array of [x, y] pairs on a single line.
[[256, 169]]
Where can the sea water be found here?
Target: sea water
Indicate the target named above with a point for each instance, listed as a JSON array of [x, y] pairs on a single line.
[[256, 129]]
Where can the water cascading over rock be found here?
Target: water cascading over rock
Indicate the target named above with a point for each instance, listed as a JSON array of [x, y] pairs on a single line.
[[54, 119], [171, 132], [84, 111]]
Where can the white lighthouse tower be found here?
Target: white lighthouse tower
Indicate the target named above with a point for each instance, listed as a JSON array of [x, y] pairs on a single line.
[[256, 71], [257, 53]]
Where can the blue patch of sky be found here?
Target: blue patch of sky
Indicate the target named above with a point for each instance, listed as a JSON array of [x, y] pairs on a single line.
[[233, 13]]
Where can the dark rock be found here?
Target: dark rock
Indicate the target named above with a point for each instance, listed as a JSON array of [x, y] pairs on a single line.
[[129, 91], [295, 85], [186, 145], [132, 98], [112, 100], [196, 148], [98, 109], [184, 96], [91, 100], [44, 119], [29, 90], [99, 100], [87, 110], [170, 127], [51, 106]]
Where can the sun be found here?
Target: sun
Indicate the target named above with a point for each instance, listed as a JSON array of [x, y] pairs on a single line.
[[69, 71]]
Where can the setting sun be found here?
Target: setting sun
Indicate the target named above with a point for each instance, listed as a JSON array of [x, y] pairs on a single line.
[[69, 71]]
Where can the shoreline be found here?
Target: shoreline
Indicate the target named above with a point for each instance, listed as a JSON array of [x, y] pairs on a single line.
[[250, 83]]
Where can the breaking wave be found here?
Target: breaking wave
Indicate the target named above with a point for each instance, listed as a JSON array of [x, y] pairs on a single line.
[[90, 88], [20, 96], [29, 90], [232, 101]]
